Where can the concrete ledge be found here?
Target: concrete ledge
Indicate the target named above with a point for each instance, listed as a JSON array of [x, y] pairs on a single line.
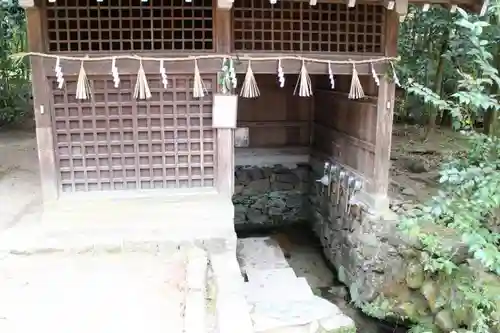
[[231, 306], [261, 157], [117, 225], [196, 283]]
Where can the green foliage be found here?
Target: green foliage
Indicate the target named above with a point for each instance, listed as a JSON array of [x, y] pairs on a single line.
[[15, 89], [465, 44], [470, 195]]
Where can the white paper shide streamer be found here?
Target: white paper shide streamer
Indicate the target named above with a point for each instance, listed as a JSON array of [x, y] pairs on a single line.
[[114, 73], [82, 85], [141, 86], [356, 91], [330, 76], [199, 89], [249, 88], [374, 75], [59, 73], [395, 76], [281, 74], [163, 74], [303, 86]]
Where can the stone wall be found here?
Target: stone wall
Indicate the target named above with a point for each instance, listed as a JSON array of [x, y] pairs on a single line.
[[270, 196], [382, 267]]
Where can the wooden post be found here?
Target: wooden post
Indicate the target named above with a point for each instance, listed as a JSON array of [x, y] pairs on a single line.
[[225, 136], [42, 108], [385, 113]]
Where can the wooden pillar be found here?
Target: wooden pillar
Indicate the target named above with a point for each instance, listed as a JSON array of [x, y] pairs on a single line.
[[385, 113], [41, 104], [225, 136]]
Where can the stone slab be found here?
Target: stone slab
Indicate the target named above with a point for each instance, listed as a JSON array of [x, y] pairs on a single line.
[[80, 294], [232, 309], [260, 253], [75, 226], [196, 283], [285, 291], [316, 312], [270, 276]]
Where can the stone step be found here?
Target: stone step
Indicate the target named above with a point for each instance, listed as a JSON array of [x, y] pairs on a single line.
[[281, 302], [270, 276], [315, 315], [196, 286], [119, 225], [260, 253], [288, 290], [232, 309]]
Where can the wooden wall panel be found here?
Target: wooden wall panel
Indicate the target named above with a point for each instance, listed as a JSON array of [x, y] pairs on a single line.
[[276, 118], [345, 128]]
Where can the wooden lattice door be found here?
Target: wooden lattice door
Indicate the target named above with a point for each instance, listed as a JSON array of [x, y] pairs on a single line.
[[296, 26], [114, 142]]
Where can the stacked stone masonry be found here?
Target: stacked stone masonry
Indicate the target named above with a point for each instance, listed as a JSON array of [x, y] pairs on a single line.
[[383, 267], [270, 196], [380, 265]]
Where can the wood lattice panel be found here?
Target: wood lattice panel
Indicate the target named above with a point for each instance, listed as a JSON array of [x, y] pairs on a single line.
[[129, 25], [115, 142], [296, 26]]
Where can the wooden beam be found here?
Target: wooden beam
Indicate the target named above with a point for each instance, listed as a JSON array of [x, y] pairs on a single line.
[[42, 107], [225, 136], [385, 112], [339, 136], [273, 124]]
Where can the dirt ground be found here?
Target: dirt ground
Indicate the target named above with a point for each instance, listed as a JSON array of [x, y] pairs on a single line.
[[20, 195], [415, 162]]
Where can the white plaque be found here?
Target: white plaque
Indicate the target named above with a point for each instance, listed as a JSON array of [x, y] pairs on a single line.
[[241, 137], [224, 111]]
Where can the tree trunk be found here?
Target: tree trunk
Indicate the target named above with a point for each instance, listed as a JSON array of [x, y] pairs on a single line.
[[491, 122], [438, 82]]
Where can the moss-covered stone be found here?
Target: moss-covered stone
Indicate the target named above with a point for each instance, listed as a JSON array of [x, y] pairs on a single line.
[[444, 320], [430, 290], [415, 275], [414, 308]]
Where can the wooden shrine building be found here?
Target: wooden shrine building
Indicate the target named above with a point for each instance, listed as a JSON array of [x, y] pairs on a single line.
[[110, 133]]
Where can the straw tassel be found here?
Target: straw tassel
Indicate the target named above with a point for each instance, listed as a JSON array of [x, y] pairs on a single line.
[[249, 88], [163, 74], [330, 76], [356, 91], [114, 72], [199, 89], [141, 86], [374, 75], [281, 74], [59, 73], [82, 86], [303, 82]]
